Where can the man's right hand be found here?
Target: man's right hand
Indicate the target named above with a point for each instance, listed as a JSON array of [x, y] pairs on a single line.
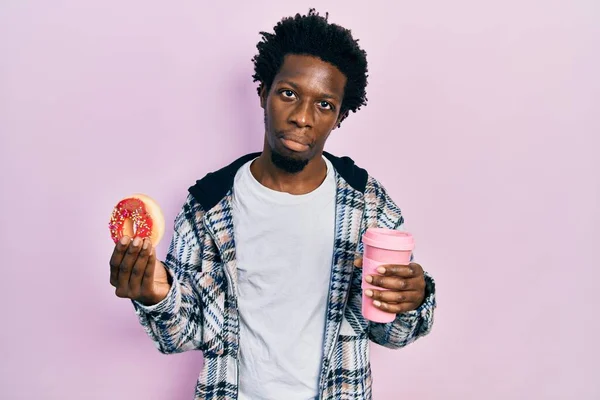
[[136, 273]]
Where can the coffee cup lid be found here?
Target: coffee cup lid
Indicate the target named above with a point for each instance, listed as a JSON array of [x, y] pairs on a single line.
[[389, 239]]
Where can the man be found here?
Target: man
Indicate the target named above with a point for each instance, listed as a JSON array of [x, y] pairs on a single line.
[[262, 274]]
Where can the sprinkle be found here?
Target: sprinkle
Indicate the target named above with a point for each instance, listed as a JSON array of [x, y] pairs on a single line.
[[130, 209]]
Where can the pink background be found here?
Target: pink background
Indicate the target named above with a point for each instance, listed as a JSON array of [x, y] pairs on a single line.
[[483, 122]]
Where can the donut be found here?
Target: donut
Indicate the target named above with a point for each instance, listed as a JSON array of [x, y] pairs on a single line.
[[137, 215]]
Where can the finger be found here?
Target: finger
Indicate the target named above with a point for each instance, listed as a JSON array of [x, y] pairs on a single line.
[[148, 275], [358, 261], [137, 272], [393, 282], [117, 257], [126, 266], [392, 296], [404, 271], [395, 308]]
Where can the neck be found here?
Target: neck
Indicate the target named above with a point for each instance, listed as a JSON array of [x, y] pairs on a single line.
[[299, 183]]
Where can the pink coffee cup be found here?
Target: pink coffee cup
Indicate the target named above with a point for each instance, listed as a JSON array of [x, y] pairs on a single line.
[[382, 246]]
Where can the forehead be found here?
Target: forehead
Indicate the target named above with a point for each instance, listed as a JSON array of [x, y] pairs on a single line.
[[312, 73]]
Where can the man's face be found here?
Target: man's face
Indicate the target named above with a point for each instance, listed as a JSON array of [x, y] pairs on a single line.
[[301, 109]]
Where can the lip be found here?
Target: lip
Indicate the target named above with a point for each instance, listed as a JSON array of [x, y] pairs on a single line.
[[294, 145]]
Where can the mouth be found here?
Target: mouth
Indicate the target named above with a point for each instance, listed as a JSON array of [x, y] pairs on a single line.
[[294, 144]]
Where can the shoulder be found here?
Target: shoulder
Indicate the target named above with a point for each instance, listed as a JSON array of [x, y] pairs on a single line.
[[189, 217], [209, 190], [356, 176]]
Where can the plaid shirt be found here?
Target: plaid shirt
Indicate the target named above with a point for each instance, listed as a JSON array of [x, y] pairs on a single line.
[[200, 310]]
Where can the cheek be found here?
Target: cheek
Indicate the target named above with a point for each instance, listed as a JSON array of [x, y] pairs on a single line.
[[326, 137], [327, 124], [274, 110], [321, 139]]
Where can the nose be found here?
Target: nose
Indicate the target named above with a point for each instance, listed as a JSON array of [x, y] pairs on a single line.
[[302, 115]]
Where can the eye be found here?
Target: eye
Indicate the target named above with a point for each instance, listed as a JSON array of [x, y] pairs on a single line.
[[288, 94], [326, 105]]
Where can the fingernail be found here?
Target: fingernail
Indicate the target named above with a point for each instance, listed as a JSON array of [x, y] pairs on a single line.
[[369, 293], [369, 279], [381, 270], [124, 240], [136, 242], [146, 242], [377, 303]]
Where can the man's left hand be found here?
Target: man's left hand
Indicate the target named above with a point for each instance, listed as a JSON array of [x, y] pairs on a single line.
[[405, 284]]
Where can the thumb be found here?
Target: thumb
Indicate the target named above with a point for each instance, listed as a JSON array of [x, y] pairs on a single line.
[[358, 260]]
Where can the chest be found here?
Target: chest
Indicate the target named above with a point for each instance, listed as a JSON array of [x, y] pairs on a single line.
[[283, 249]]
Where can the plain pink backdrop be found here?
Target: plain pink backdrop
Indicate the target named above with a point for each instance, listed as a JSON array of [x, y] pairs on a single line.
[[483, 123]]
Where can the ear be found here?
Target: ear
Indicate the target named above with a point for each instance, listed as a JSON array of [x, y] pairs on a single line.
[[262, 93], [341, 117]]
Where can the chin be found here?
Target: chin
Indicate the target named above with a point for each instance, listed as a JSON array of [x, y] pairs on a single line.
[[290, 163]]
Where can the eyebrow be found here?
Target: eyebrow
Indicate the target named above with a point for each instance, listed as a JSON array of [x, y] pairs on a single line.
[[323, 95]]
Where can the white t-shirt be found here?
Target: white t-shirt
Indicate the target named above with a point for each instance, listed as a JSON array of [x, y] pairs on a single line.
[[284, 248]]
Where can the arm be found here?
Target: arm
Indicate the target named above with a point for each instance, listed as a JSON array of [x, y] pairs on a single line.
[[408, 326], [175, 323]]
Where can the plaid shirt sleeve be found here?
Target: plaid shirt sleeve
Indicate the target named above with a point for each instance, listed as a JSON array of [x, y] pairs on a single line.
[[408, 326], [175, 324]]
